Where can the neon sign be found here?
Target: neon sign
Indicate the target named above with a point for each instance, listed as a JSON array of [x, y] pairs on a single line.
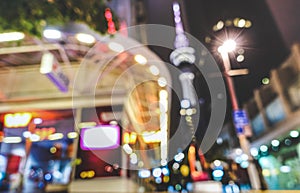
[[17, 120], [111, 29]]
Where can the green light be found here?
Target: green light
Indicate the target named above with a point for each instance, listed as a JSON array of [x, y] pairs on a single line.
[[178, 187], [265, 81]]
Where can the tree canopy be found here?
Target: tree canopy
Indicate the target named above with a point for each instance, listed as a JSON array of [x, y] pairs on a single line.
[[31, 16]]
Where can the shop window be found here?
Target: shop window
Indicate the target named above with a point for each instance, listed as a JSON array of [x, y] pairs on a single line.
[[258, 126], [275, 112]]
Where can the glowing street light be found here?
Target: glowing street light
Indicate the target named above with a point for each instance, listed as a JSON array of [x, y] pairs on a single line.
[[228, 46], [239, 116]]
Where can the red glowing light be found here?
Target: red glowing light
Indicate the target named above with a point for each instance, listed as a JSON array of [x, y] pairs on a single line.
[[110, 23]]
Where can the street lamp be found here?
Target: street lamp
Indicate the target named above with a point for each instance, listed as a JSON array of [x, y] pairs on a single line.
[[239, 116]]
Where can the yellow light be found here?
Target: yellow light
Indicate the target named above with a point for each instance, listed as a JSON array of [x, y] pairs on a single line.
[[166, 179], [236, 22], [184, 169], [17, 119], [87, 124], [220, 25], [241, 23], [248, 24], [56, 136], [266, 172], [140, 59], [53, 150], [78, 161], [182, 112], [228, 22], [126, 138], [85, 38], [240, 58], [192, 150], [207, 39], [133, 137], [11, 36], [83, 175], [90, 174], [188, 118], [163, 94], [72, 135], [215, 28]]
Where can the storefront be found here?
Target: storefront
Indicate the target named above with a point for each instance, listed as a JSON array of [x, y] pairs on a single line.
[[99, 153], [280, 162], [37, 149]]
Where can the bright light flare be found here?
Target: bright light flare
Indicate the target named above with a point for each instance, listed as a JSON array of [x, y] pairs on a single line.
[[140, 59], [263, 148], [294, 134], [11, 36], [275, 143], [52, 34], [85, 38], [228, 46]]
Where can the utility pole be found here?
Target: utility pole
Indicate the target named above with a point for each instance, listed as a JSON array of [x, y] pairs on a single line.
[[239, 116]]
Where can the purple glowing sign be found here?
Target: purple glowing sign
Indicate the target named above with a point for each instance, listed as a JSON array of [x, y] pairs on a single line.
[[100, 137]]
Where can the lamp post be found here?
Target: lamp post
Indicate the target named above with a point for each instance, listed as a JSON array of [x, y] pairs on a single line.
[[239, 116]]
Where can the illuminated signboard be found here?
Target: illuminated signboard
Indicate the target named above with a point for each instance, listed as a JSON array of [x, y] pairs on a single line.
[[100, 137], [17, 120], [52, 69]]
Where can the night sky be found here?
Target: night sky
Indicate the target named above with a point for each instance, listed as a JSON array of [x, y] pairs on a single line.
[[263, 43]]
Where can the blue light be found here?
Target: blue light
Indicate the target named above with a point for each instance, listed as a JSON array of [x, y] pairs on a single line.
[[218, 173], [189, 186], [41, 185], [184, 191], [166, 171], [1, 176], [158, 180], [48, 177], [170, 189]]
